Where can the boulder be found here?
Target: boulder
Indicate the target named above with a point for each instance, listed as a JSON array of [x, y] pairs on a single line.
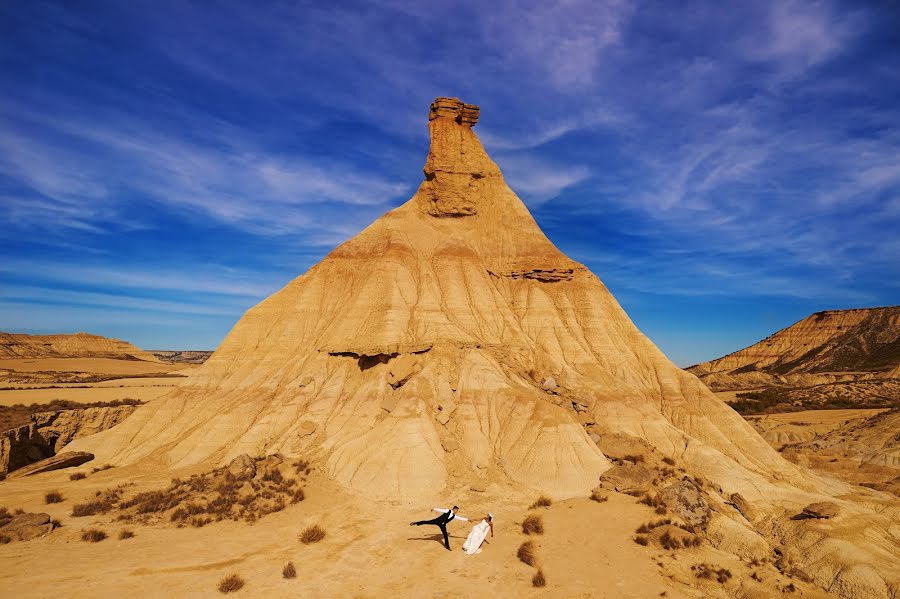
[[619, 446], [549, 384], [685, 499], [66, 459], [402, 369], [821, 509], [26, 526], [307, 427], [627, 478], [242, 467]]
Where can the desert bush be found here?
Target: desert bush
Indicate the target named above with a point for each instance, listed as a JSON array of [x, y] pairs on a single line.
[[598, 496], [312, 534], [669, 542], [651, 500], [789, 588], [53, 497], [92, 508], [542, 501], [93, 535], [5, 516], [709, 572], [4, 539], [273, 476], [634, 459], [661, 510], [538, 580], [669, 461], [77, 476], [533, 525], [55, 524], [527, 553], [101, 468], [126, 533], [641, 540], [289, 571], [231, 583], [298, 496]]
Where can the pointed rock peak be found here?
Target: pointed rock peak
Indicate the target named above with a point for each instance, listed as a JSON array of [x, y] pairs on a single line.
[[458, 170]]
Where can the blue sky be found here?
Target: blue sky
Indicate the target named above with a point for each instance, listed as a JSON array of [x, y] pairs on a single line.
[[725, 168]]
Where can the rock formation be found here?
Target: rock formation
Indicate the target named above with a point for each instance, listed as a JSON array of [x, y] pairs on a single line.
[[49, 432], [825, 347], [66, 459], [69, 346], [418, 357]]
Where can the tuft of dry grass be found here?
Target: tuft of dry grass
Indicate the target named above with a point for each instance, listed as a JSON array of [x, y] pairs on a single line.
[[533, 525], [4, 539], [77, 476], [641, 540], [5, 516], [669, 542], [55, 524], [101, 468], [542, 501], [92, 508], [231, 583], [53, 497], [599, 497], [312, 534], [93, 535], [538, 580], [634, 459], [289, 571], [668, 461], [126, 533], [527, 553]]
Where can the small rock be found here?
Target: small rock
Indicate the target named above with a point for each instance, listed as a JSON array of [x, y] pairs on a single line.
[[27, 526], [307, 427], [821, 509], [242, 467], [627, 478], [686, 500], [549, 384], [594, 437], [67, 459], [403, 369], [306, 381], [389, 403], [743, 506], [579, 407], [450, 444]]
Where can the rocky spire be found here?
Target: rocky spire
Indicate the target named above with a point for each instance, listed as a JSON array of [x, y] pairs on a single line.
[[458, 170]]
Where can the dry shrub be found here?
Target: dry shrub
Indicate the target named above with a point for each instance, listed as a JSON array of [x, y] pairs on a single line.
[[5, 516], [289, 571], [542, 501], [126, 533], [55, 524], [53, 497], [709, 572], [93, 535], [298, 496], [231, 583], [312, 534], [101, 468], [92, 508], [693, 541], [77, 476], [661, 510], [641, 540], [538, 580], [669, 542], [527, 553], [533, 525], [634, 459], [789, 588], [668, 461], [598, 496], [5, 539]]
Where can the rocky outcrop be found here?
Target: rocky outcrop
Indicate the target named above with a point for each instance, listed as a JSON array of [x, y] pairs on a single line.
[[825, 347], [242, 467], [49, 432], [24, 527], [66, 459], [821, 510], [627, 478], [685, 499]]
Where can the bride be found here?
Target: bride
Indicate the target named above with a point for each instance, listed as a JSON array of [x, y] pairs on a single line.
[[479, 532]]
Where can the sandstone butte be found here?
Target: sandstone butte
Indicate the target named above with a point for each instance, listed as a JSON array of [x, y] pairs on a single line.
[[14, 345], [825, 347], [451, 342]]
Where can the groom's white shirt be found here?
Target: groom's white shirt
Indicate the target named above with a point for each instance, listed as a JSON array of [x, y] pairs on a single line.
[[445, 510]]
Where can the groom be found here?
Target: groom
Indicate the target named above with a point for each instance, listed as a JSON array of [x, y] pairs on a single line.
[[442, 521]]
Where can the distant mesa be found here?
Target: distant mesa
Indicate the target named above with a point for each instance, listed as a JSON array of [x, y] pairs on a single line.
[[79, 345], [825, 347]]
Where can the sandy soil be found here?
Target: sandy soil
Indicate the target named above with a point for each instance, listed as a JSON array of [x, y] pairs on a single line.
[[95, 365], [369, 550]]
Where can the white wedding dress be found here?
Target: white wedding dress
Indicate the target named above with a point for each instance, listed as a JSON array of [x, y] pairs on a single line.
[[476, 538]]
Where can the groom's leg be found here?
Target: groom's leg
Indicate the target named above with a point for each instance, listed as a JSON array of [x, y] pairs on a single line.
[[421, 522], [446, 538]]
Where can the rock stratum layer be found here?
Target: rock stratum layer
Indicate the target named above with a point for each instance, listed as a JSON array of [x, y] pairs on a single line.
[[451, 342], [825, 347], [79, 345]]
